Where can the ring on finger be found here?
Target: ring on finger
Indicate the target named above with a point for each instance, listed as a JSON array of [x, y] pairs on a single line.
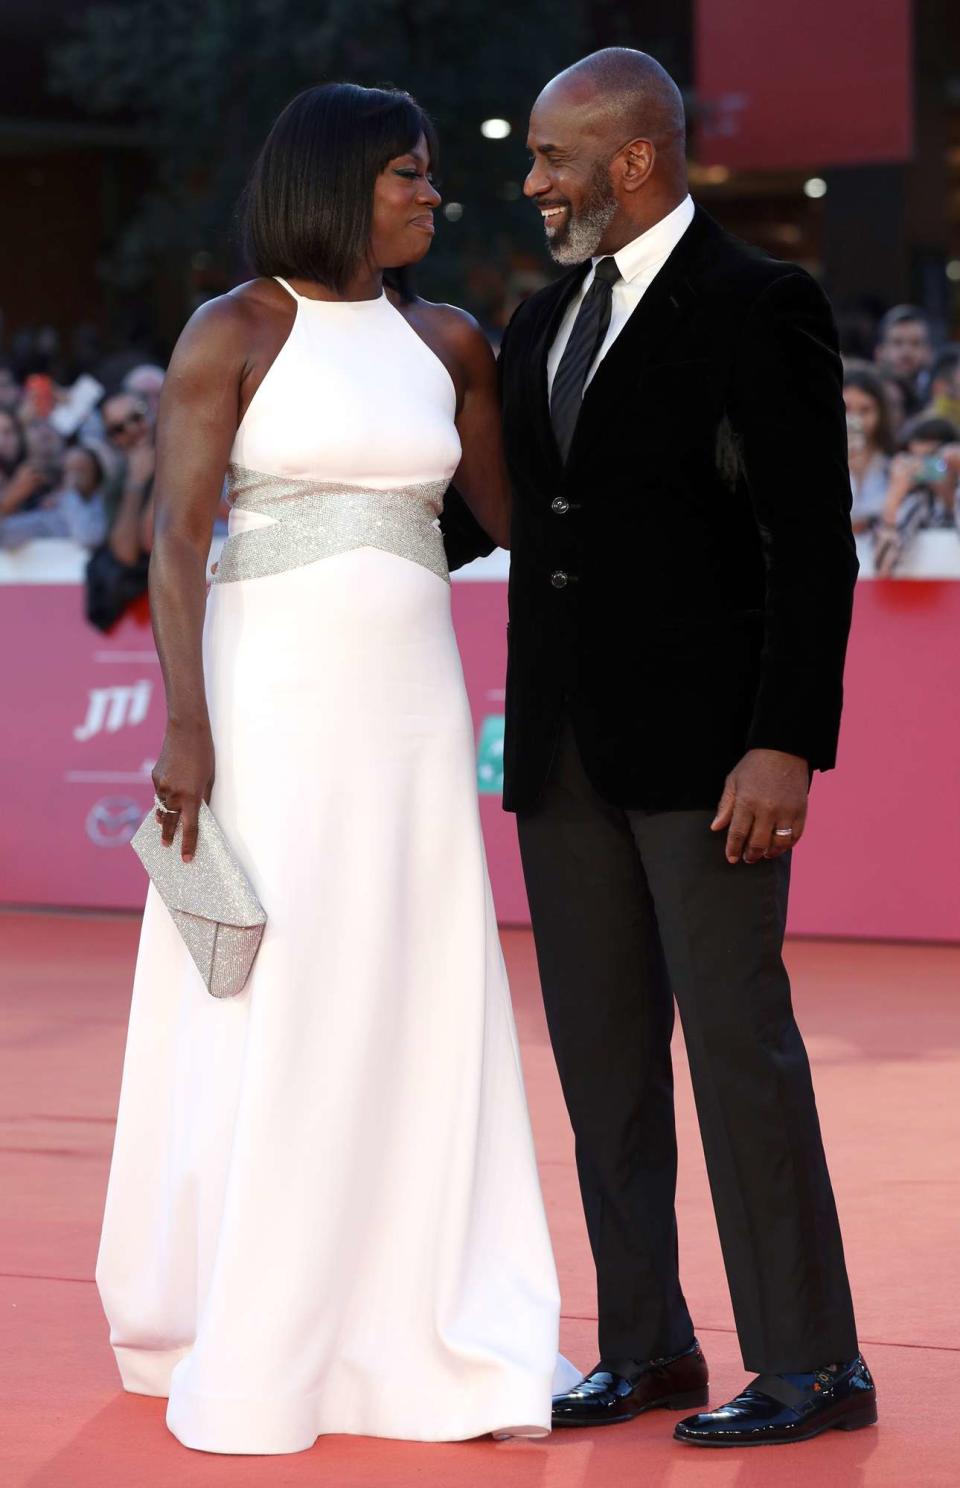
[[162, 806], [783, 831]]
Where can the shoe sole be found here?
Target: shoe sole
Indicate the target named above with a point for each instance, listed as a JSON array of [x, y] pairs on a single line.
[[865, 1415], [690, 1401]]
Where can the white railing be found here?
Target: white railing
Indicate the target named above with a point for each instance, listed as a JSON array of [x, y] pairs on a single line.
[[52, 560]]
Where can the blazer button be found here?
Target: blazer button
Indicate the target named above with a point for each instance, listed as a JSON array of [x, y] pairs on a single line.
[[559, 579], [559, 504]]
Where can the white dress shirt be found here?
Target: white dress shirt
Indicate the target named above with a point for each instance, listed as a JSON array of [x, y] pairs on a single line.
[[639, 263]]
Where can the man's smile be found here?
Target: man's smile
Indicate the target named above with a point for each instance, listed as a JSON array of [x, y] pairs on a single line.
[[552, 214]]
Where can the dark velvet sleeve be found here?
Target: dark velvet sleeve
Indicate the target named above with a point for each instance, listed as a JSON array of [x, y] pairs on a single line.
[[786, 408], [463, 537]]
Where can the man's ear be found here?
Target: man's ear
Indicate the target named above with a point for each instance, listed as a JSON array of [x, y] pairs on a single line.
[[635, 162]]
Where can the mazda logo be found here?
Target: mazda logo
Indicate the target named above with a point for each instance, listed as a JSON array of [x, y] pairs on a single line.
[[113, 821]]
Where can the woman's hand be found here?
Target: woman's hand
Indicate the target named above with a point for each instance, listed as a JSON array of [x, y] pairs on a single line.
[[950, 454], [904, 473], [182, 778], [25, 482]]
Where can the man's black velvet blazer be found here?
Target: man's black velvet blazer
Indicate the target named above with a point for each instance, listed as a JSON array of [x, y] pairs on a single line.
[[685, 582]]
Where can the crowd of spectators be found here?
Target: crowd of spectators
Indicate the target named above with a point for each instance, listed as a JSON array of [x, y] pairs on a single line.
[[77, 463], [77, 453], [903, 436]]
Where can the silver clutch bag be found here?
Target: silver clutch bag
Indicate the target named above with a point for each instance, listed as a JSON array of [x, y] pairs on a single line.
[[211, 901]]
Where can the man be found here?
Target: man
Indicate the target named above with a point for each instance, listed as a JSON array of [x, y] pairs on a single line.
[[905, 351], [117, 572], [680, 598], [129, 427]]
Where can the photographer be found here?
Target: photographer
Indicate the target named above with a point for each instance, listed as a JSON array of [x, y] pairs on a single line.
[[129, 428], [117, 571]]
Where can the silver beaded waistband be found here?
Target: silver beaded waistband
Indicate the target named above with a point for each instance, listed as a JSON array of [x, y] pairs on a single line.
[[316, 519]]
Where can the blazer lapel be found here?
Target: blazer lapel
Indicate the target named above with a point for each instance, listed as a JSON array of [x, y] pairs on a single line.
[[665, 304]]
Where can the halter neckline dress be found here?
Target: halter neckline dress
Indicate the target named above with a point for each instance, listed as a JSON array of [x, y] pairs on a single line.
[[323, 1212]]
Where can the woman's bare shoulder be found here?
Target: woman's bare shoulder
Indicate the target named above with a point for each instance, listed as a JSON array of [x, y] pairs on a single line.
[[458, 325], [459, 332], [230, 321]]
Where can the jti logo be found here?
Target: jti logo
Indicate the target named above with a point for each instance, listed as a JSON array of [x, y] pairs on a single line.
[[110, 709]]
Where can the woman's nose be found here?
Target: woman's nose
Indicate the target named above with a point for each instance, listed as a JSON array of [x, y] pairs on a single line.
[[430, 196]]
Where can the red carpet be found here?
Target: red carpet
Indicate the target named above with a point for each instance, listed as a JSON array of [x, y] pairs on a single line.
[[883, 1028]]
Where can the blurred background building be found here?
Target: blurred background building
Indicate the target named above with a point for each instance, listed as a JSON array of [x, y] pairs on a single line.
[[829, 134]]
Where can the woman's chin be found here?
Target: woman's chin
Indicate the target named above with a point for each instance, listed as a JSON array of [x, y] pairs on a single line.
[[417, 249], [404, 250]]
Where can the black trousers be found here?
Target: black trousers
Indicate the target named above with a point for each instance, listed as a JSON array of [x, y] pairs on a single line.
[[632, 910]]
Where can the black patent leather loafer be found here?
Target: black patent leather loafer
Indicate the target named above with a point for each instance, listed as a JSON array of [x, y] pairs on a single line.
[[605, 1398], [776, 1409]]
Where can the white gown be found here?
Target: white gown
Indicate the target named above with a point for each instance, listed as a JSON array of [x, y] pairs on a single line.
[[323, 1212]]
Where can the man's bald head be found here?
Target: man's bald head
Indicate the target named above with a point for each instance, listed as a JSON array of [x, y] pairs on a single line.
[[607, 138], [624, 95]]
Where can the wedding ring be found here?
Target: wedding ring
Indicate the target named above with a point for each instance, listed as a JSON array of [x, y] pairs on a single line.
[[783, 831], [162, 806]]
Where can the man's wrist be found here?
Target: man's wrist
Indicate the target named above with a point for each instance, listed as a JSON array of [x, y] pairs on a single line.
[[792, 754]]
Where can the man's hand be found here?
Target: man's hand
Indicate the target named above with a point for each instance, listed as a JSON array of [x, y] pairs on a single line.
[[766, 790]]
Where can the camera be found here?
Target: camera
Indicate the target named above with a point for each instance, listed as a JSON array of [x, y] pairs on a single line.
[[932, 469]]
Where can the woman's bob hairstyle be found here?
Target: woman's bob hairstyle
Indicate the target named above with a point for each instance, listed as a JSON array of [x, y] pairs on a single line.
[[307, 208]]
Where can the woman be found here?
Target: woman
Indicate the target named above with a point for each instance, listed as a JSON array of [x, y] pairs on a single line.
[[323, 1212], [870, 442]]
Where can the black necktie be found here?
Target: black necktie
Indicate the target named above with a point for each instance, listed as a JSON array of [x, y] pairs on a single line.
[[586, 339]]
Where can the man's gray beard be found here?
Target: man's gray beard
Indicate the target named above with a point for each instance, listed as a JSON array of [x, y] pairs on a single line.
[[585, 231]]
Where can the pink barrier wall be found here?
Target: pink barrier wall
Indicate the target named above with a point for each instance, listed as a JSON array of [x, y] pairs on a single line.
[[879, 857], [83, 717]]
